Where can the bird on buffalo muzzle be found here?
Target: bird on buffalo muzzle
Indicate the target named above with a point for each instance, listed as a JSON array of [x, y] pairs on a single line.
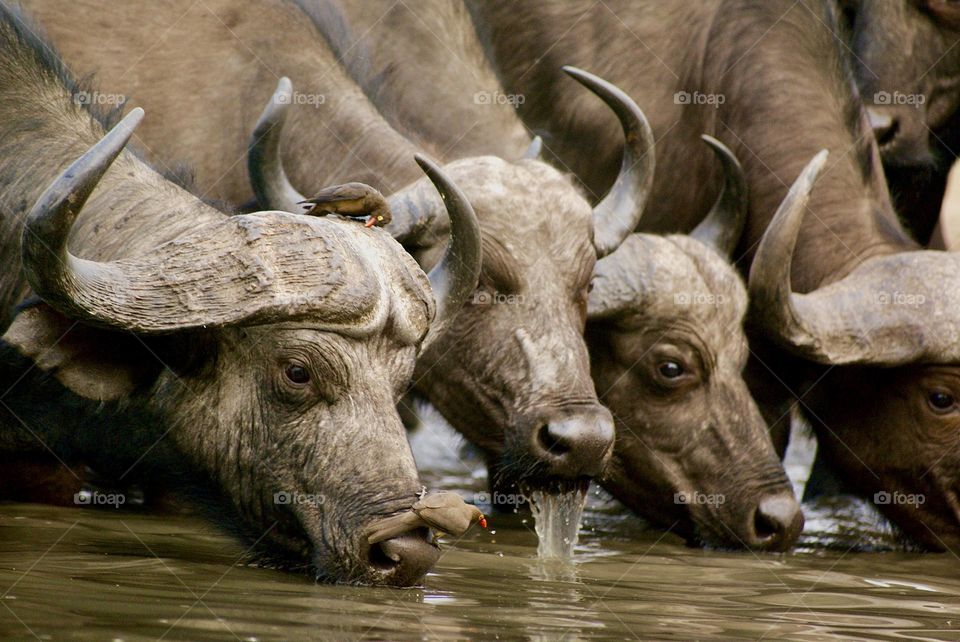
[[355, 200], [444, 512]]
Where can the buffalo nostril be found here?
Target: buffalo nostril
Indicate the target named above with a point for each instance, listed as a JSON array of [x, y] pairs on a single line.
[[885, 125], [764, 527], [405, 559], [777, 522], [575, 446], [550, 441]]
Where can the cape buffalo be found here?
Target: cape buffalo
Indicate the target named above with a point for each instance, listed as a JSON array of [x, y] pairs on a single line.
[[513, 374], [261, 354], [771, 80], [667, 355], [528, 403], [692, 451]]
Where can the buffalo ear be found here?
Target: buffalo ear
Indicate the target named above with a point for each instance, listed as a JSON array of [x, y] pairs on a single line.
[[97, 364]]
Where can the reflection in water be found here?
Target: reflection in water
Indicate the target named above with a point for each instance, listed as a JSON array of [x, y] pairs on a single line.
[[104, 574]]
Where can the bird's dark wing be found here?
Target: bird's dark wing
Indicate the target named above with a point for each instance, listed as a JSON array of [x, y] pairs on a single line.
[[454, 522], [390, 527], [443, 499], [340, 193]]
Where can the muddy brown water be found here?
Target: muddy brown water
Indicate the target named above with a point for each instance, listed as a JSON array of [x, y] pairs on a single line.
[[83, 573]]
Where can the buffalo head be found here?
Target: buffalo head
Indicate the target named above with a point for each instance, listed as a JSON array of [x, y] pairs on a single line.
[[668, 349], [274, 349], [884, 405], [512, 374]]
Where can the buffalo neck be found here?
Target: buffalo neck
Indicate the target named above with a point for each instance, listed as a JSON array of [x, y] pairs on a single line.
[[787, 95], [334, 134], [345, 140], [425, 68], [766, 78]]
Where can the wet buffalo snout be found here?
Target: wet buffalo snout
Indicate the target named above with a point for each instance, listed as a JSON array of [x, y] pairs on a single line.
[[404, 560], [576, 444], [777, 523]]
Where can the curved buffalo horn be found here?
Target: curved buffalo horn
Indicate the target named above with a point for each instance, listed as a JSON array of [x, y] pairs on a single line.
[[723, 225], [890, 310], [618, 214], [61, 279], [771, 293], [227, 271], [454, 278], [270, 184], [534, 150]]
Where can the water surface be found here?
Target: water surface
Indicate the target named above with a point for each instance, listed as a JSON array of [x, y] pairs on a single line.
[[83, 573]]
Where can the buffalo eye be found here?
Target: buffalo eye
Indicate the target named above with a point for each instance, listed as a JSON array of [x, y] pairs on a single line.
[[296, 374], [670, 369], [940, 401]]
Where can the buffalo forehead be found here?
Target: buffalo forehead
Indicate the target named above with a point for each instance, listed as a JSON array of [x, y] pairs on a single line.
[[529, 202], [892, 304], [373, 261], [334, 271], [673, 277], [714, 274]]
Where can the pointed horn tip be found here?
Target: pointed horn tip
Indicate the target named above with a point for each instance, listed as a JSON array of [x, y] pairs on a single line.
[[279, 103], [134, 117], [821, 158], [591, 81], [812, 171], [625, 107], [114, 141], [428, 165], [576, 72], [799, 192], [719, 148], [127, 125], [534, 149]]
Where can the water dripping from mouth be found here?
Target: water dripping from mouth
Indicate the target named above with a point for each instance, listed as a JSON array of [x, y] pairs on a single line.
[[556, 513]]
